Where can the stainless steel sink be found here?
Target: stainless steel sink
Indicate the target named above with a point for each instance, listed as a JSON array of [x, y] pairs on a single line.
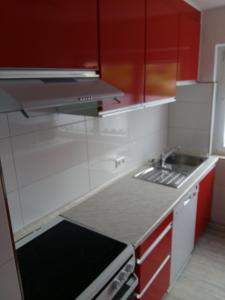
[[183, 159], [175, 171]]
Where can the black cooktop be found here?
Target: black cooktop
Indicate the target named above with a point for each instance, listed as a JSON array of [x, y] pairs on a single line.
[[63, 261]]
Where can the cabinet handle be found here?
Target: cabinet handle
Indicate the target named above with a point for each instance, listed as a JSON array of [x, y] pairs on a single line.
[[155, 243], [148, 285]]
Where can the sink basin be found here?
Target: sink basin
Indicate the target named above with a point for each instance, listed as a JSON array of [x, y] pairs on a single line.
[[175, 172], [187, 160]]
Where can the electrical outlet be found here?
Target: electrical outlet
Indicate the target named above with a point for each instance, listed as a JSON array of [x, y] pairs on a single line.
[[120, 161]]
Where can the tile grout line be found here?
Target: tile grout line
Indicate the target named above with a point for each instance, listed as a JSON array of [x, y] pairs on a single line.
[[42, 129]]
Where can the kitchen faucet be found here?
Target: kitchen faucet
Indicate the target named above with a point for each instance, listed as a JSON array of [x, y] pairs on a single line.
[[166, 154]]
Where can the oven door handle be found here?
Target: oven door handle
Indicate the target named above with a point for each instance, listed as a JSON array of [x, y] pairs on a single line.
[[128, 289]]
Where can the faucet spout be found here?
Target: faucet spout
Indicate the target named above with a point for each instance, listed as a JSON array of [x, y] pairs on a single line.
[[166, 154]]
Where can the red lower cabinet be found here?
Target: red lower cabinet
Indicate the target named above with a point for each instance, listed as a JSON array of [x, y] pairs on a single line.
[[153, 264], [205, 197], [159, 285]]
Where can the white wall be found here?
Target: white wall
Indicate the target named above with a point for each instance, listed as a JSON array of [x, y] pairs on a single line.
[[190, 118], [50, 160], [213, 32]]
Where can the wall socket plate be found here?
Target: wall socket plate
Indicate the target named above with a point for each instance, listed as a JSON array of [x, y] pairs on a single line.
[[120, 161]]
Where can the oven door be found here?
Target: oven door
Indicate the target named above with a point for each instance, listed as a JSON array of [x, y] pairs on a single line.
[[126, 292]]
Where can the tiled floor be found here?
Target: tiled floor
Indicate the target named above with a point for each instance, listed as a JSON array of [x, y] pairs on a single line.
[[204, 276]]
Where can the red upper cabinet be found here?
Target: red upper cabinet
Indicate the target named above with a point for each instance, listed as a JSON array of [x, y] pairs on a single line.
[[162, 49], [189, 40], [49, 34], [122, 49], [204, 203]]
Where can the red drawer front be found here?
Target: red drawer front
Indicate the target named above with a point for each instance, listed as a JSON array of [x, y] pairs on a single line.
[[148, 242], [151, 264], [159, 286]]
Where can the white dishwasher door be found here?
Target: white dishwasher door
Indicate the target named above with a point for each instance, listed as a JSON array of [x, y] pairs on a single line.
[[184, 220]]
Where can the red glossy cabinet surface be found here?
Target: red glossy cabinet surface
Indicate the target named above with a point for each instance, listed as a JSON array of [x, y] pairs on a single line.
[[150, 266], [160, 285], [204, 204], [49, 34], [151, 256], [122, 49], [162, 49], [148, 242], [189, 40]]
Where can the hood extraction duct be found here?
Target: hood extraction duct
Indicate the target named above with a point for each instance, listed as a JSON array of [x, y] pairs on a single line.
[[63, 91]]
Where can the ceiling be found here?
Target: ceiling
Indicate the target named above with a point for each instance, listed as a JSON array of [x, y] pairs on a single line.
[[206, 4]]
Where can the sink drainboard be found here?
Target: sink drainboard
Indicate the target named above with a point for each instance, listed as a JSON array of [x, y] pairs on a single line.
[[175, 170], [164, 177]]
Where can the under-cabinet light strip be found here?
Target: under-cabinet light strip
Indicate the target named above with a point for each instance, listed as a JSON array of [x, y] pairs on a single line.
[[46, 73]]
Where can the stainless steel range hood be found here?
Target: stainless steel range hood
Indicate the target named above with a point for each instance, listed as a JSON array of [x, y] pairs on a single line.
[[71, 92]]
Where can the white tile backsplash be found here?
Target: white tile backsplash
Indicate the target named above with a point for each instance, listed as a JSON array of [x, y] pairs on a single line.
[[195, 93], [143, 123], [45, 153], [52, 160], [18, 124], [148, 147], [190, 118], [108, 139], [47, 195], [193, 141]]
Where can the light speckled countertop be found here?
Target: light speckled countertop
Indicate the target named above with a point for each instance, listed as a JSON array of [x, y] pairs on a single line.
[[130, 209]]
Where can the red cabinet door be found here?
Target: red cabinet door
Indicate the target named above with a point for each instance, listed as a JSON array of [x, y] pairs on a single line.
[[204, 204], [159, 286], [122, 49], [153, 262], [149, 267], [49, 34], [189, 40], [162, 49]]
